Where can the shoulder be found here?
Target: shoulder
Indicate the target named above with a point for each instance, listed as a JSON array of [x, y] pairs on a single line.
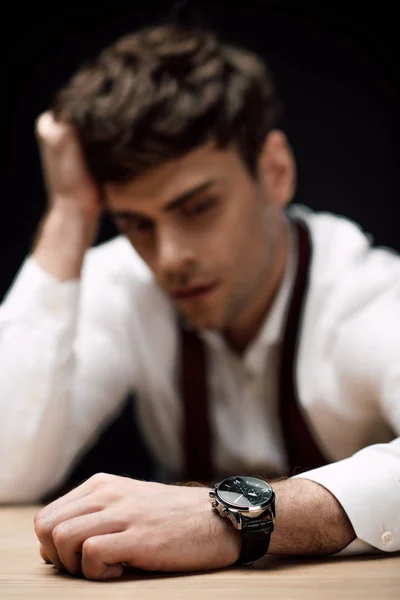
[[337, 242], [347, 268], [353, 300]]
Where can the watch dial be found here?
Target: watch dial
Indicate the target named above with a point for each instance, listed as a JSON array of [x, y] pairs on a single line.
[[244, 492]]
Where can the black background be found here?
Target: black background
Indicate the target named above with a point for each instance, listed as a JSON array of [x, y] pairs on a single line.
[[336, 72]]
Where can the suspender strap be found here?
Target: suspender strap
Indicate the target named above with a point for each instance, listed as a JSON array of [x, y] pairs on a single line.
[[301, 449], [197, 438]]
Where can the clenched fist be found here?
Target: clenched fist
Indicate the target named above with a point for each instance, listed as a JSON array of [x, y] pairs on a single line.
[[109, 521]]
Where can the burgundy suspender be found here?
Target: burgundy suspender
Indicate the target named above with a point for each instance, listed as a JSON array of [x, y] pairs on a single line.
[[197, 438], [302, 451]]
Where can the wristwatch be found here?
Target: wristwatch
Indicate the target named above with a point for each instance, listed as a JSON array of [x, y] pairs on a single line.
[[249, 503]]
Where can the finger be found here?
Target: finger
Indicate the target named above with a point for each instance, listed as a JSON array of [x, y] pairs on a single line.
[[69, 536], [80, 491], [55, 509], [44, 555], [50, 517], [47, 560], [75, 494], [42, 123], [50, 557], [49, 130], [103, 556]]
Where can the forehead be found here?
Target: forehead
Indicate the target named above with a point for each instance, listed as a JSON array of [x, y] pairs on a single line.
[[163, 183]]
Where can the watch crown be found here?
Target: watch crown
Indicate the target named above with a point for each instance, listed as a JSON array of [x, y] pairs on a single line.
[[214, 503]]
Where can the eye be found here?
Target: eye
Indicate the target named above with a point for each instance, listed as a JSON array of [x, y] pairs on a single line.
[[199, 207], [134, 226], [142, 225]]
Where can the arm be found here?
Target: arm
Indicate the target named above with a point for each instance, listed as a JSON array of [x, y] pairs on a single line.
[[109, 521], [317, 513], [365, 354], [52, 398], [367, 487], [70, 226], [309, 520]]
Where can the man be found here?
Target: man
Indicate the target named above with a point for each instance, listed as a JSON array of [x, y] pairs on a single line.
[[174, 134]]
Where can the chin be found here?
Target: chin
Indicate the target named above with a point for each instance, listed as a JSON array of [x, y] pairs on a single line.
[[203, 322]]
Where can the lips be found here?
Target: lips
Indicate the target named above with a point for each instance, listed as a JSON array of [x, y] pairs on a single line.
[[192, 292]]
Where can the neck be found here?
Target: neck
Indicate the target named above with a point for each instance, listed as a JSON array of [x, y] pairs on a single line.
[[248, 322]]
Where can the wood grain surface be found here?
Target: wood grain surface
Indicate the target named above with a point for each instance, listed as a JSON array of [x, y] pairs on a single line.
[[24, 575]]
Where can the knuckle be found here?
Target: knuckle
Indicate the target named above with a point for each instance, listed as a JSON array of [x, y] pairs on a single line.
[[37, 519], [40, 124], [90, 549], [60, 534], [121, 520], [100, 478], [41, 527], [50, 132]]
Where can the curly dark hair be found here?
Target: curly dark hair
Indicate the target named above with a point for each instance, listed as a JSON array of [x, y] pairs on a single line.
[[160, 92]]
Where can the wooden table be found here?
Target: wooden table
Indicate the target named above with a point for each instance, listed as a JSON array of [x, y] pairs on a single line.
[[24, 575]]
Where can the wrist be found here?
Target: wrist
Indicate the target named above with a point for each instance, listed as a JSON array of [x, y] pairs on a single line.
[[248, 503], [228, 539], [63, 238], [86, 214]]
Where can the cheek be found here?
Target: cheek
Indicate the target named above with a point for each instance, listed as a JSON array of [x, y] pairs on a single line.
[[251, 253], [225, 248], [248, 239]]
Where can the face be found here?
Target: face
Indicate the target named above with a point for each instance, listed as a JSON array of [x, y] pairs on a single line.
[[205, 227]]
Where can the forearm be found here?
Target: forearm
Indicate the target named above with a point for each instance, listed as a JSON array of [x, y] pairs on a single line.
[[37, 329], [69, 228], [32, 451], [309, 520], [62, 241], [37, 332]]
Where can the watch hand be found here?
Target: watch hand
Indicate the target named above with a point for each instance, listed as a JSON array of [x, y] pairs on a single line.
[[241, 496]]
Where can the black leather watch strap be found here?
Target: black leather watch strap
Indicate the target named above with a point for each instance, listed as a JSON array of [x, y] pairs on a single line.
[[256, 537]]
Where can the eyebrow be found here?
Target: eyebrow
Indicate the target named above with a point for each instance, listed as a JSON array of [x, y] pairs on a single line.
[[172, 205]]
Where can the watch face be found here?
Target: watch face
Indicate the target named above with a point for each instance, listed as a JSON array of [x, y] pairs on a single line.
[[244, 492]]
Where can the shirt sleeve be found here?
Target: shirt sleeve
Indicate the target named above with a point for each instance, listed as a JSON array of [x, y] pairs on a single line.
[[367, 485], [63, 373], [367, 365]]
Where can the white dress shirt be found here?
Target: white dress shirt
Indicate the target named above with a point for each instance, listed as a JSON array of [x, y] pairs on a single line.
[[72, 351]]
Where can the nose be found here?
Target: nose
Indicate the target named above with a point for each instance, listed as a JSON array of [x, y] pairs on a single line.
[[175, 256]]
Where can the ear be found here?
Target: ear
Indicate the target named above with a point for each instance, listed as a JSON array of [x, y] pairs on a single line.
[[277, 169]]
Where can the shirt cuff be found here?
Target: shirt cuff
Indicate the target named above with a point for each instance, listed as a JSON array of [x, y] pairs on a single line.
[[367, 485], [357, 546]]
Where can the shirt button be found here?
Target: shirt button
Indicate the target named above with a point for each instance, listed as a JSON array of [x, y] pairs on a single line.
[[386, 537]]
